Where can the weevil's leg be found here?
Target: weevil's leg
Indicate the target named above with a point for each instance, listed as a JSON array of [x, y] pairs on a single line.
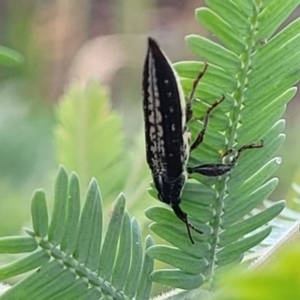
[[183, 217], [189, 111], [218, 169], [201, 134], [241, 149]]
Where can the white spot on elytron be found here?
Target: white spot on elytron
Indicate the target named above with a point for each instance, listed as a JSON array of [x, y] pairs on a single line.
[[157, 101], [173, 127], [169, 94], [158, 117], [166, 81], [171, 154], [152, 148], [151, 117], [160, 131], [155, 119], [152, 133], [171, 109], [157, 146], [153, 98], [150, 104]]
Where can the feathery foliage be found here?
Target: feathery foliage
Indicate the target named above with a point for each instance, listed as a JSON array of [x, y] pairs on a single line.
[[86, 127], [89, 139], [70, 258], [256, 70]]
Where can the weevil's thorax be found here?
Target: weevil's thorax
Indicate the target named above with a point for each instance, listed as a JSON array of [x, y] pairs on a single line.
[[169, 189]]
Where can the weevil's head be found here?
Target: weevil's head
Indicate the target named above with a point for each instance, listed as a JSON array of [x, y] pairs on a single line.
[[169, 190]]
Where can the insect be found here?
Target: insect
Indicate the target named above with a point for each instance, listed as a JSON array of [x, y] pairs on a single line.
[[168, 140]]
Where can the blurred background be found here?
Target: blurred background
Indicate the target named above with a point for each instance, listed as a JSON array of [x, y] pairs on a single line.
[[65, 41]]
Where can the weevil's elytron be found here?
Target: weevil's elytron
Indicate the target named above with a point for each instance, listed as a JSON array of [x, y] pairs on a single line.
[[167, 136]]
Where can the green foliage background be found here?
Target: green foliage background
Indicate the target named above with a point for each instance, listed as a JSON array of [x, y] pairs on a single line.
[[89, 136]]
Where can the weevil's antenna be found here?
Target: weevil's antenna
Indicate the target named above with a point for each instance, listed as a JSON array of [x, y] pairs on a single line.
[[188, 225], [183, 217]]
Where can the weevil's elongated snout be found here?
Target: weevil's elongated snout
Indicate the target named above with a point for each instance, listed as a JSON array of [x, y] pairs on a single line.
[[183, 217], [169, 191]]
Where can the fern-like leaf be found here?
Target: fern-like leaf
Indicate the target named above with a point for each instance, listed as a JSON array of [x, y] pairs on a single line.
[[256, 76], [85, 125], [67, 257]]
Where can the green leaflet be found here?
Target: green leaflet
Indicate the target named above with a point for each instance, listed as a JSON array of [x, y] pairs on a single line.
[[273, 15], [24, 264], [254, 199], [122, 265], [39, 214], [214, 53], [156, 213], [249, 8], [109, 248], [276, 43], [231, 14], [272, 141], [90, 229], [236, 231], [144, 288], [213, 76], [234, 251], [177, 278], [279, 63], [136, 261], [216, 25], [60, 204], [10, 57], [250, 184], [73, 211], [178, 259], [17, 244]]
